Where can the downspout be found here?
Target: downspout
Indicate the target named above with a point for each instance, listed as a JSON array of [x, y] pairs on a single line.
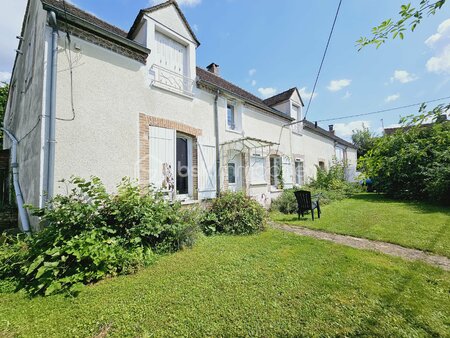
[[216, 131], [15, 170], [52, 109]]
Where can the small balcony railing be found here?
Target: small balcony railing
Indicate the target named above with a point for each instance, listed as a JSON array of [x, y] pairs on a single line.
[[172, 81]]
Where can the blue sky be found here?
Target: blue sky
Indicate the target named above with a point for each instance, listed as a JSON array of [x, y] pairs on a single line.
[[268, 46]]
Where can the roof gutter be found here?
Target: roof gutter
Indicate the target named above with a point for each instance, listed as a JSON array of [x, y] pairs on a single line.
[[76, 21], [252, 103]]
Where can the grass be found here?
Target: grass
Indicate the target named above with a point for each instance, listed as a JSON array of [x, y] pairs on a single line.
[[272, 284], [410, 224]]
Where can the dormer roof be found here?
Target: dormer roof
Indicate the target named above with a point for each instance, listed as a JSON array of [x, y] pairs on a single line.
[[282, 97], [155, 8]]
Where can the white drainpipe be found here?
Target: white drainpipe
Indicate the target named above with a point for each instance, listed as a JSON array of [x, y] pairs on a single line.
[[15, 170], [52, 111]]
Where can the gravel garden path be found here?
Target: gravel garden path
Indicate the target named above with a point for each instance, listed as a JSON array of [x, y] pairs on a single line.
[[362, 243]]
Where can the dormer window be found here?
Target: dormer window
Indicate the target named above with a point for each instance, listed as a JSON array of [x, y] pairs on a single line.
[[170, 66], [297, 115], [171, 54], [231, 117]]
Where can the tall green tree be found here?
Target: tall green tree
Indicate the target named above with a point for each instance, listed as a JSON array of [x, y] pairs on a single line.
[[363, 139], [413, 163]]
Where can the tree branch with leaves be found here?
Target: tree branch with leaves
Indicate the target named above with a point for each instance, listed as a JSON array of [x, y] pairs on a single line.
[[410, 17]]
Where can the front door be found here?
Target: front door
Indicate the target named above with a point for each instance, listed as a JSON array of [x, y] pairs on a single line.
[[182, 167]]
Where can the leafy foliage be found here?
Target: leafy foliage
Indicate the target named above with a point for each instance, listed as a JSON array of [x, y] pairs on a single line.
[[413, 163], [90, 235], [4, 92], [330, 185], [363, 139], [234, 214], [409, 16], [13, 252]]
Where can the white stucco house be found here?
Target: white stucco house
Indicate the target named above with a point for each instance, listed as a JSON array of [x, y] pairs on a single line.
[[88, 98]]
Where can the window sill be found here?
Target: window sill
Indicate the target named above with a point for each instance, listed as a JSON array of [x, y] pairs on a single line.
[[189, 202], [258, 183], [274, 189], [234, 131]]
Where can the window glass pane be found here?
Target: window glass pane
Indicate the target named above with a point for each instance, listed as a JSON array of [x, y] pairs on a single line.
[[275, 164], [231, 173], [299, 172], [182, 166], [230, 117], [272, 171]]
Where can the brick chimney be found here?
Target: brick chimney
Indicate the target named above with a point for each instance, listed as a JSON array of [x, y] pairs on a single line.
[[331, 128], [214, 68]]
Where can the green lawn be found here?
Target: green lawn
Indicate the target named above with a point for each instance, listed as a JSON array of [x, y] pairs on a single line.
[[410, 224], [272, 284]]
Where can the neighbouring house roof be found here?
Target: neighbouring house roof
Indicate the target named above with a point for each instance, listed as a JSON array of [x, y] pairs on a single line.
[[95, 30], [312, 127], [282, 97], [390, 131], [216, 81], [142, 12]]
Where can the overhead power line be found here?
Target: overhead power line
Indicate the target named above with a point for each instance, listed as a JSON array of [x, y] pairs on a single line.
[[382, 111], [323, 57]]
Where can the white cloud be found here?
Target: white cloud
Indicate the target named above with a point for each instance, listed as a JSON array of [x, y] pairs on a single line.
[[345, 130], [187, 3], [252, 72], [12, 13], [440, 63], [267, 92], [392, 98], [306, 95], [347, 95], [195, 27], [443, 32], [403, 76], [440, 42], [5, 77], [336, 85], [253, 83]]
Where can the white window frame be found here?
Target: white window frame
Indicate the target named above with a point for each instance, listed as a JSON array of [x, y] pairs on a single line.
[[302, 175], [234, 166], [233, 109], [190, 193], [278, 162], [297, 128], [237, 108]]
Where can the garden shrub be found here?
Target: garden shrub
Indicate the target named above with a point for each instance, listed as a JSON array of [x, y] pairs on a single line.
[[13, 251], [234, 214], [329, 184], [413, 163], [286, 202], [89, 235]]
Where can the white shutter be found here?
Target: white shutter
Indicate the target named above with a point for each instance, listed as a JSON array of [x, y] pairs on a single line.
[[287, 172], [162, 157], [257, 170], [170, 54], [206, 168]]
